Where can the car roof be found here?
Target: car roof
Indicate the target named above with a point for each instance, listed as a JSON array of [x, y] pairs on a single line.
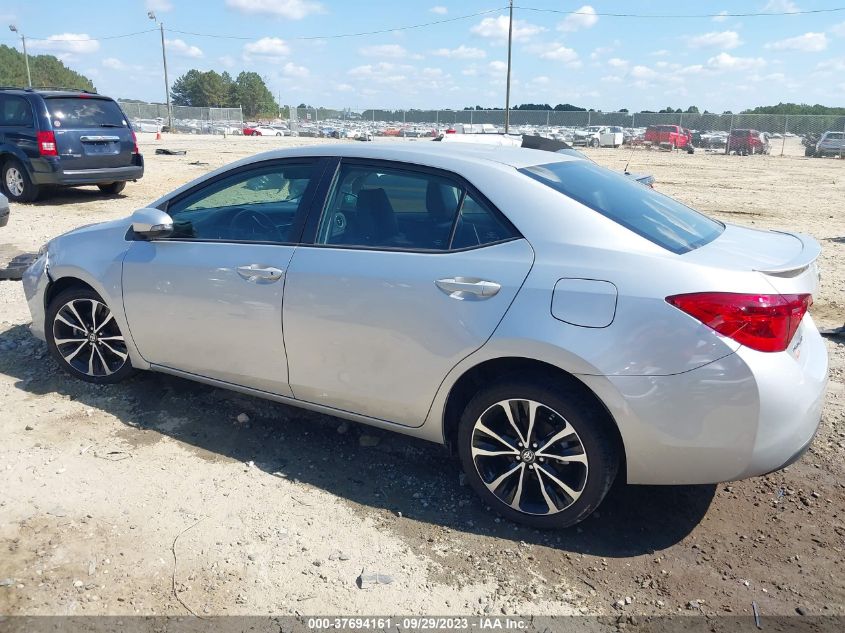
[[53, 92], [426, 152]]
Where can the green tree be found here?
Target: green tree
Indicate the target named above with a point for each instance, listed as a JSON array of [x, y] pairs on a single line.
[[203, 89], [253, 96], [46, 71], [692, 110]]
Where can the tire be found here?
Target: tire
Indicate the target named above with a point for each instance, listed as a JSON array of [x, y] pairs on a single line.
[[73, 317], [484, 426], [112, 188], [17, 183], [594, 142]]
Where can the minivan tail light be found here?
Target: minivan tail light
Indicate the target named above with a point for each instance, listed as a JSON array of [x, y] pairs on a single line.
[[134, 142], [763, 322], [47, 144]]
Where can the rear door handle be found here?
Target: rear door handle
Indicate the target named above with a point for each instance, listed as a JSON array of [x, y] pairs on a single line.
[[259, 273], [459, 287]]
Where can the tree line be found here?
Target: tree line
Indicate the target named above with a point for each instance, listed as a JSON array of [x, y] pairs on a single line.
[[46, 71], [219, 90]]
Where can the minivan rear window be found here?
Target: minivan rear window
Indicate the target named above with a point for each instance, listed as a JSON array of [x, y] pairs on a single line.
[[84, 112], [652, 215]]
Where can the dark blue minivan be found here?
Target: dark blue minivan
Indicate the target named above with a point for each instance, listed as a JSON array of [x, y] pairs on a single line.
[[64, 138]]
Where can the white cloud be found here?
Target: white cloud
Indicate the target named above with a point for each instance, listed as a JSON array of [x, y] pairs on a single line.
[[721, 16], [615, 62], [601, 50], [542, 80], [292, 70], [497, 67], [583, 18], [661, 53], [807, 43], [781, 6], [159, 5], [75, 43], [497, 29], [439, 10], [270, 48], [829, 66], [462, 52], [643, 72], [383, 72], [386, 51], [290, 9], [560, 53], [113, 63], [724, 61], [227, 61], [725, 40], [838, 29], [180, 47]]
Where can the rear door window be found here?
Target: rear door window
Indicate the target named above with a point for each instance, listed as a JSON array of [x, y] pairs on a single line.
[[84, 113], [652, 215], [15, 111]]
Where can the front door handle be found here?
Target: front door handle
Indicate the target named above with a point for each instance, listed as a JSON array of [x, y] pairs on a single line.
[[259, 273], [460, 287]]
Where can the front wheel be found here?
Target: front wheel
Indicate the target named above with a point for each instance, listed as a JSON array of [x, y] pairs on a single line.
[[17, 183], [540, 453], [112, 188], [594, 143], [85, 339]]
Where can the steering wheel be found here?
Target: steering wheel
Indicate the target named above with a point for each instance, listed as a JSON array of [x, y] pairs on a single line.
[[255, 223]]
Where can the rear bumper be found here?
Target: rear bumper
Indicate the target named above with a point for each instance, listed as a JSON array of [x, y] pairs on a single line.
[[747, 414], [50, 172]]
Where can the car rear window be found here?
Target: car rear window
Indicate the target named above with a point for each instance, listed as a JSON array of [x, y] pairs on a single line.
[[654, 216], [834, 135], [84, 112]]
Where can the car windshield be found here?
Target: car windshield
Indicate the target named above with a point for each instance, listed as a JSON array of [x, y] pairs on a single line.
[[84, 112], [652, 215]]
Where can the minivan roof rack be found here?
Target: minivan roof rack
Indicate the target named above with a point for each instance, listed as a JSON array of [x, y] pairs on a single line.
[[61, 89]]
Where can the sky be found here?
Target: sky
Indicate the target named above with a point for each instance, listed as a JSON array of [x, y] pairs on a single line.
[[588, 59]]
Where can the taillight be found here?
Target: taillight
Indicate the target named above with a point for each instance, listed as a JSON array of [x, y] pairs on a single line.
[[764, 322], [47, 144], [134, 142]]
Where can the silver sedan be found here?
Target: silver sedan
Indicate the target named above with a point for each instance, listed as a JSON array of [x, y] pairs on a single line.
[[554, 323]]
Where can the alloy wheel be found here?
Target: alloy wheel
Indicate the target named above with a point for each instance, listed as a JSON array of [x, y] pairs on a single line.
[[14, 181], [529, 457], [88, 338]]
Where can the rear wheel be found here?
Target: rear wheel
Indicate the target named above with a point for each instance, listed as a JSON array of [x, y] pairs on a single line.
[[539, 453], [112, 188], [17, 183], [85, 339]]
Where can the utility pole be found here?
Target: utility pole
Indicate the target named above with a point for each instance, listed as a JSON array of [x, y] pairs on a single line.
[[508, 87], [152, 16], [14, 29]]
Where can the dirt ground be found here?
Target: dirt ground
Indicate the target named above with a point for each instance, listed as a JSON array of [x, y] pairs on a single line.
[[152, 498]]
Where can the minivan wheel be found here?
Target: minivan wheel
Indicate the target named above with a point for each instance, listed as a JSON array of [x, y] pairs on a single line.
[[17, 183], [539, 453], [112, 188], [85, 339]]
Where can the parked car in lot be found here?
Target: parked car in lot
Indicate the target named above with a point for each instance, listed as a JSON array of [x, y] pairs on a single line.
[[745, 142], [64, 138], [599, 136], [545, 317], [830, 144], [4, 210], [674, 135]]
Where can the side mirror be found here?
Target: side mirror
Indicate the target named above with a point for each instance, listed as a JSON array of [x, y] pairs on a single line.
[[151, 223]]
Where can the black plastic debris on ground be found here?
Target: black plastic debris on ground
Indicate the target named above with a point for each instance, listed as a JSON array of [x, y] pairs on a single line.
[[171, 152]]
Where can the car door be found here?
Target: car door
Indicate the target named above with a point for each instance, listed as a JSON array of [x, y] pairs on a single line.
[[207, 300], [410, 271], [17, 126]]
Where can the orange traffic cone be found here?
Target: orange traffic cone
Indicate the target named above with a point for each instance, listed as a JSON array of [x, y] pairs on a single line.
[[158, 136]]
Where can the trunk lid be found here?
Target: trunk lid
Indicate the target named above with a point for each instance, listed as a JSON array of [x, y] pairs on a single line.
[[91, 132], [787, 260]]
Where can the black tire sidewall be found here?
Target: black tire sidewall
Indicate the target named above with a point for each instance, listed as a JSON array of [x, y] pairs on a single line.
[[30, 190], [57, 302], [587, 418], [112, 188]]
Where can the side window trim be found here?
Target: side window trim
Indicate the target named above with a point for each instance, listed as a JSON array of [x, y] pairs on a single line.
[[308, 198]]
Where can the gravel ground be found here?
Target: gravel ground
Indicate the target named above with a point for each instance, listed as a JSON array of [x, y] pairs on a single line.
[[158, 496]]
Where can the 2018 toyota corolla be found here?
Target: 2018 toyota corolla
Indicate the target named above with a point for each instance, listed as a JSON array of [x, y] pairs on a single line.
[[553, 321]]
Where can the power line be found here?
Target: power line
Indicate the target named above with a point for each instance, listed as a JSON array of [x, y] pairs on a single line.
[[679, 16], [342, 35], [89, 39]]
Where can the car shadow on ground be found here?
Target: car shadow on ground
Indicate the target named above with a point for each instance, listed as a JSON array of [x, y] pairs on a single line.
[[51, 196], [398, 475]]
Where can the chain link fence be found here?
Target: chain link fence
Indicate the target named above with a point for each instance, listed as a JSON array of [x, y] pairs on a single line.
[[153, 117], [784, 134]]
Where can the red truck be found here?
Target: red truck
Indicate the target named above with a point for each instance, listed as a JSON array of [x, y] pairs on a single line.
[[674, 135]]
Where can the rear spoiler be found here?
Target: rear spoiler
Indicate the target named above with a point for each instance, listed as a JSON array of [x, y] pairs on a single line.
[[798, 264]]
